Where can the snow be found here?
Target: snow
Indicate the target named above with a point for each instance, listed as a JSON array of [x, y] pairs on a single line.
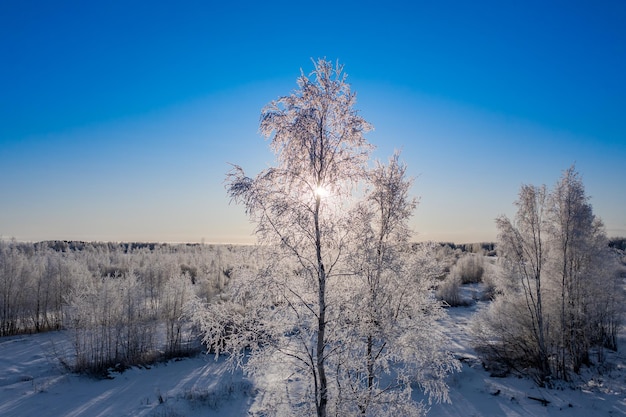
[[33, 383]]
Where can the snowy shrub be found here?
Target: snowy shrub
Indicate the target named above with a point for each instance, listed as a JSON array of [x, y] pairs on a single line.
[[490, 280], [501, 337], [469, 268], [448, 290]]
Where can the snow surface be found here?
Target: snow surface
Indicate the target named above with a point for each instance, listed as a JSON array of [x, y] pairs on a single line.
[[33, 383]]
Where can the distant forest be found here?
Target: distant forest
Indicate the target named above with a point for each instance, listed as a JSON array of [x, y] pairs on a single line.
[[488, 248]]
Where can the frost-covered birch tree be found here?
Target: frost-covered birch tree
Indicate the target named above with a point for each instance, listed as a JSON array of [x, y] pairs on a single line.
[[580, 249], [560, 295], [299, 208], [523, 248], [392, 336], [290, 322]]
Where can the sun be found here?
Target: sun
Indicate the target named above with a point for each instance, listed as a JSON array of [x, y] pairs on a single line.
[[321, 192]]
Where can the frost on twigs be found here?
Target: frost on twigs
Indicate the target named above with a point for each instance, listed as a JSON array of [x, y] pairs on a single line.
[[338, 318], [238, 184]]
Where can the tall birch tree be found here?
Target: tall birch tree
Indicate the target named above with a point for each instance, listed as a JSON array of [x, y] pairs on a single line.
[[299, 208], [303, 324], [579, 241]]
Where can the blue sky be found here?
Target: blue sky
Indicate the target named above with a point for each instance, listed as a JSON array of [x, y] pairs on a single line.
[[119, 119]]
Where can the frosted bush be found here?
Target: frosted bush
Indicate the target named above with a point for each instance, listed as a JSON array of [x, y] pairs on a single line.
[[469, 268]]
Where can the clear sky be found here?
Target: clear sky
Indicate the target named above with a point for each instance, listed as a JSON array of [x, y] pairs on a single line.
[[118, 119]]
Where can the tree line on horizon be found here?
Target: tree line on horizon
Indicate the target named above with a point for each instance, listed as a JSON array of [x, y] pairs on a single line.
[[616, 242]]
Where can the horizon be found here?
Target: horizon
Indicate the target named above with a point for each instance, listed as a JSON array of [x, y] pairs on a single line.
[[120, 120]]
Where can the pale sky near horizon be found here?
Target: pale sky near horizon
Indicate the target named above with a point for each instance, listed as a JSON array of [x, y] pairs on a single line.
[[118, 119]]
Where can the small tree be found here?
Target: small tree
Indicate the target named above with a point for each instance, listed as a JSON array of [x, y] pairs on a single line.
[[392, 337], [523, 248], [175, 294]]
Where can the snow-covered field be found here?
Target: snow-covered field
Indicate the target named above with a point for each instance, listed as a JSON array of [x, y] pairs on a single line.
[[33, 383]]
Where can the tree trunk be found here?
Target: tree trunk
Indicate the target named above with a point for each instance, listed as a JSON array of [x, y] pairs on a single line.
[[322, 397]]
